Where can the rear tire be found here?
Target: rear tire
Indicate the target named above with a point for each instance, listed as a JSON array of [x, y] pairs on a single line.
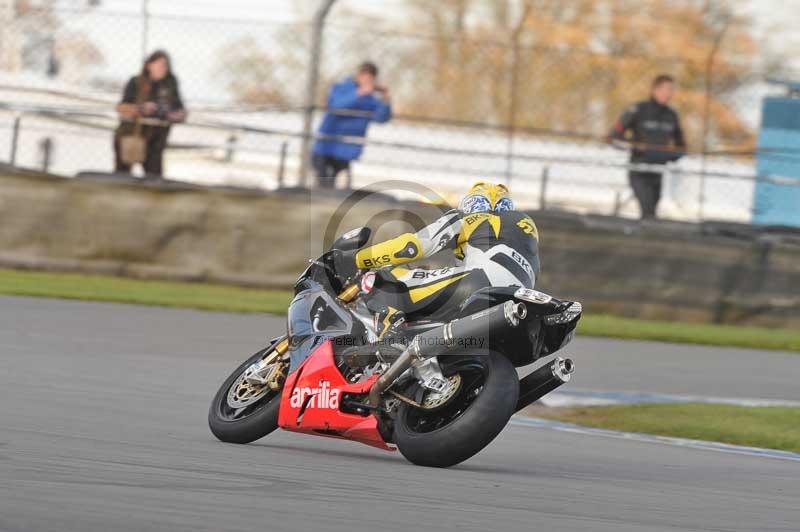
[[256, 421], [472, 428]]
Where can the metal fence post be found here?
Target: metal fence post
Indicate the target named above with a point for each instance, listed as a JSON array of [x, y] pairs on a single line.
[[145, 27], [543, 187], [311, 86], [12, 159], [512, 105], [282, 163], [512, 111], [701, 199], [230, 147], [46, 147]]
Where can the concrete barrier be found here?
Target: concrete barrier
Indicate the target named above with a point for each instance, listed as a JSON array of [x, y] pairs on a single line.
[[674, 271], [726, 274], [175, 231]]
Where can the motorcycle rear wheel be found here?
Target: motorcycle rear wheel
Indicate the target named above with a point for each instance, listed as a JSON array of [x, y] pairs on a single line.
[[470, 420], [250, 417]]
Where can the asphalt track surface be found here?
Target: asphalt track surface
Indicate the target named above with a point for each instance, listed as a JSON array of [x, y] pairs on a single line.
[[102, 428]]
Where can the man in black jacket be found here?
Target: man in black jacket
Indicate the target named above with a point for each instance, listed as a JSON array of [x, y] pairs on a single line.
[[654, 130]]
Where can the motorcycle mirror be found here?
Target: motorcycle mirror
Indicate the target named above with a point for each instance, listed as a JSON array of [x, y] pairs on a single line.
[[352, 240]]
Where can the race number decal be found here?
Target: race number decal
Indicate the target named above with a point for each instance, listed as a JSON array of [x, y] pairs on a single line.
[[528, 227]]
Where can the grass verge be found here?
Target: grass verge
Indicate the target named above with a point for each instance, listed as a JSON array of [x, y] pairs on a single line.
[[238, 299], [161, 293], [767, 427], [690, 333]]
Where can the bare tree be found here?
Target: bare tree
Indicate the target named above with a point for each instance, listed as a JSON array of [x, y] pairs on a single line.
[[33, 38], [249, 72], [575, 65]]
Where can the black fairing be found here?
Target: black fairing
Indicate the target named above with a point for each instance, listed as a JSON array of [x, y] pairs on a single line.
[[314, 316], [352, 240], [534, 339], [320, 272]]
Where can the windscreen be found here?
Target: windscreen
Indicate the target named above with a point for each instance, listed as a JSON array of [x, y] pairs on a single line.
[[313, 317]]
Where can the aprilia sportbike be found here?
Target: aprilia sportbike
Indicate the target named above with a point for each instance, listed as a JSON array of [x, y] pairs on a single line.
[[439, 391]]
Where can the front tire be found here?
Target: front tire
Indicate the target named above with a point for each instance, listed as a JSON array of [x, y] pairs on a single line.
[[246, 423], [469, 422]]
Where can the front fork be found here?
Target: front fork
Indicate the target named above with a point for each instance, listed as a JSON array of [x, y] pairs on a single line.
[[270, 371], [273, 375]]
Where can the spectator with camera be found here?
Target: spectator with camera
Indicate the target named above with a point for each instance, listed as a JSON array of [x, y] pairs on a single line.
[[151, 103], [352, 105]]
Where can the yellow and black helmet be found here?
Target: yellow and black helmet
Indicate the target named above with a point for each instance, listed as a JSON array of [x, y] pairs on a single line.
[[486, 197]]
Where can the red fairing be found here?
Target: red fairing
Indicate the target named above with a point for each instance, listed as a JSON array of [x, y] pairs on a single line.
[[319, 386]]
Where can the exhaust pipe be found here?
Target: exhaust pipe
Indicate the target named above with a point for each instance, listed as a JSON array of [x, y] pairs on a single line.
[[480, 325], [543, 381]]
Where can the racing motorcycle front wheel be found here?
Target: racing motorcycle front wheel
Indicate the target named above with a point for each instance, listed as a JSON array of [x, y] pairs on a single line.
[[486, 389], [245, 407]]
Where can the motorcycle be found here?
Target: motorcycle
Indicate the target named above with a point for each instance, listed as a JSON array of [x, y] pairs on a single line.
[[439, 393]]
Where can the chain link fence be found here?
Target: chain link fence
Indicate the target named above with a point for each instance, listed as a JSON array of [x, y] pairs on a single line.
[[482, 89]]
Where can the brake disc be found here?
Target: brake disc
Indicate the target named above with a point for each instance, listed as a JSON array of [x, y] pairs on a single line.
[[434, 400], [244, 393], [250, 387]]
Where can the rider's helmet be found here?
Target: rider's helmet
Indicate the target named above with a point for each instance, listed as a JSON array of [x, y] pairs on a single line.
[[486, 197]]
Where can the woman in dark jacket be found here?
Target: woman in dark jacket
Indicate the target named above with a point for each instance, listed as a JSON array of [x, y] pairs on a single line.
[[150, 103]]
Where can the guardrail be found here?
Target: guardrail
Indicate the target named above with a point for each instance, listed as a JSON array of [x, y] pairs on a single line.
[[49, 111], [103, 119]]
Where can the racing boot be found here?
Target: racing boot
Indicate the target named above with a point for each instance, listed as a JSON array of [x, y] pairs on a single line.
[[388, 322]]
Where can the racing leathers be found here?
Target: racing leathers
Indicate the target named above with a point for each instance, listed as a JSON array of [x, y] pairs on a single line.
[[491, 249]]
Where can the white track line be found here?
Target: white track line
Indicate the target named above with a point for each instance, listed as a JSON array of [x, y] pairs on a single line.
[[568, 398], [649, 438]]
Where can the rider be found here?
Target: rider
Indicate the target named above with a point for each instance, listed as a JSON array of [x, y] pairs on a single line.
[[494, 245]]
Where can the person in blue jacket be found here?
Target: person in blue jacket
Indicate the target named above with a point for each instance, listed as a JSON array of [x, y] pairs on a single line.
[[352, 105]]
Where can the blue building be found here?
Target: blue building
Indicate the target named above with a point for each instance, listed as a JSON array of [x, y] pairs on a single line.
[[778, 202]]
